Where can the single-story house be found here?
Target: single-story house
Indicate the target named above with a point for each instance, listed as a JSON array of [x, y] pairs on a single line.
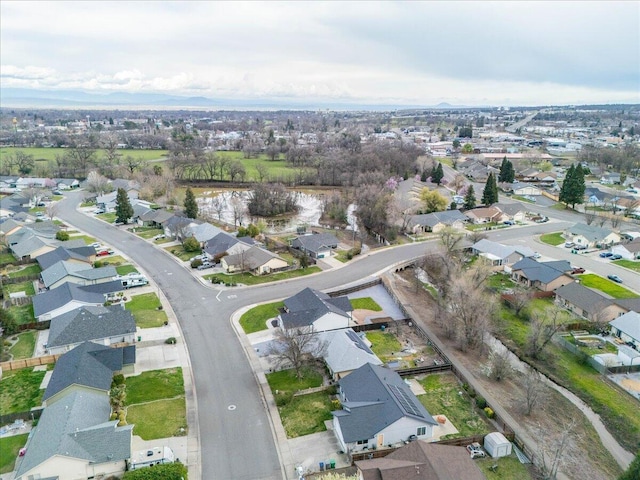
[[155, 218], [83, 255], [225, 243], [315, 309], [203, 231], [31, 246], [587, 302], [627, 328], [484, 215], [591, 235], [628, 251], [496, 255], [525, 189], [546, 276], [65, 271], [512, 211], [67, 297], [610, 179], [108, 201], [256, 260], [436, 221], [421, 460], [8, 227], [378, 409], [318, 245], [346, 351]]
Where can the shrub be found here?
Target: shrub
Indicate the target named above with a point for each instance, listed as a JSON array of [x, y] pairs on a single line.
[[62, 236], [481, 402], [335, 404], [191, 244], [170, 341], [168, 471], [196, 263], [488, 412], [118, 379], [283, 398]]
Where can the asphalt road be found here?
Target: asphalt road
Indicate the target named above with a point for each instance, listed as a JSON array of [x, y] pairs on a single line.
[[238, 443]]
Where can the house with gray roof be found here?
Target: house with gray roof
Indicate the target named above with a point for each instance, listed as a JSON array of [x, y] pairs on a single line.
[[627, 328], [515, 212], [108, 201], [8, 227], [203, 231], [155, 218], [67, 297], [256, 260], [497, 255], [318, 245], [436, 221], [65, 271], [31, 246], [628, 251], [591, 235], [589, 303], [224, 243], [346, 351], [101, 325], [546, 276], [84, 255], [313, 309], [378, 409]]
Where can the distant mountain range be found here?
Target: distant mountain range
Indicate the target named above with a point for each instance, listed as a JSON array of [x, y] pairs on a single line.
[[25, 98]]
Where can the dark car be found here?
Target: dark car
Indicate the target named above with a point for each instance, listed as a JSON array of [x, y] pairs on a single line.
[[606, 254], [577, 270], [615, 257], [614, 278]]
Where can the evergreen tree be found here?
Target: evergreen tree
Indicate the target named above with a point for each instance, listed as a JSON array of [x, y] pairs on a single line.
[[573, 187], [490, 192], [470, 199], [190, 204], [438, 174], [507, 172], [124, 210]]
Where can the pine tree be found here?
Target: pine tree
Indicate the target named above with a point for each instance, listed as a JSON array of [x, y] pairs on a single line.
[[470, 199], [190, 204], [124, 210], [503, 169], [507, 172], [573, 187], [490, 192], [438, 174]]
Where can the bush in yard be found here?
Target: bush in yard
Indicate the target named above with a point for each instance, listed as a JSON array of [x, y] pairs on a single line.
[[170, 341], [169, 471], [62, 236], [196, 263], [489, 412], [191, 244], [481, 402], [283, 398], [117, 379], [335, 404]]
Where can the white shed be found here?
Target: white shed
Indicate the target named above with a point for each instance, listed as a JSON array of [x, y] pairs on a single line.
[[497, 445]]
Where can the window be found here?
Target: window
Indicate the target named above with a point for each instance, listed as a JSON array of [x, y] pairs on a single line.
[[362, 442], [422, 431]]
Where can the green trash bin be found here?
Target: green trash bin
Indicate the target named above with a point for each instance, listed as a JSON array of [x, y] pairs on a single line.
[[332, 463]]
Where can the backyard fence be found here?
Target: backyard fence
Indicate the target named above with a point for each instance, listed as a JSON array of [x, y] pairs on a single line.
[[29, 362], [26, 416], [6, 280], [356, 288]]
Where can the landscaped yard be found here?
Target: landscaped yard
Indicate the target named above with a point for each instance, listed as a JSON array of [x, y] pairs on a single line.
[[248, 279], [145, 310], [87, 238], [286, 380], [443, 398], [180, 252], [20, 390], [25, 345], [500, 281], [630, 264], [111, 260], [509, 468], [592, 280], [384, 344], [552, 238], [124, 269], [33, 269], [366, 303], [306, 414], [9, 447], [155, 385], [255, 319]]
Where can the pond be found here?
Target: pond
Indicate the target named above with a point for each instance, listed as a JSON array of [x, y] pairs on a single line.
[[221, 207]]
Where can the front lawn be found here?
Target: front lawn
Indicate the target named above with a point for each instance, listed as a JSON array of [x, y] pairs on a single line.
[[306, 414], [148, 232], [443, 398], [366, 303], [88, 240], [107, 217], [384, 344], [592, 280], [20, 390], [124, 269], [286, 380], [248, 279], [179, 251], [25, 345], [554, 239], [145, 310], [9, 448], [255, 319], [111, 260], [630, 264], [159, 419], [155, 385], [28, 270]]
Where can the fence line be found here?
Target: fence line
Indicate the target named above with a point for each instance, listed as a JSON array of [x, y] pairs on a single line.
[[29, 362], [26, 416]]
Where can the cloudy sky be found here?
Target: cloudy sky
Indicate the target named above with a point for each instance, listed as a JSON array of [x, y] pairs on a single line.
[[420, 53]]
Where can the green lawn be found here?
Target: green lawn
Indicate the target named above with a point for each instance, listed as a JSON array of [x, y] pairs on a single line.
[[26, 287], [522, 199], [366, 303], [49, 154], [286, 380], [384, 344], [592, 280], [145, 310], [20, 390], [554, 239], [306, 414], [248, 279], [87, 238], [22, 314], [180, 252], [500, 281], [28, 270], [630, 264], [159, 419], [9, 447], [148, 232], [6, 258], [25, 345], [255, 319], [124, 269], [155, 385], [443, 398], [107, 217], [111, 260], [509, 468]]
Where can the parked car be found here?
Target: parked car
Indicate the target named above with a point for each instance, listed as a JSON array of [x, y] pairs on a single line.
[[162, 236], [577, 270], [542, 220], [614, 278], [104, 253], [206, 265], [475, 450], [615, 257], [508, 222], [202, 257], [606, 254], [536, 255], [568, 244], [98, 211], [57, 192], [579, 247]]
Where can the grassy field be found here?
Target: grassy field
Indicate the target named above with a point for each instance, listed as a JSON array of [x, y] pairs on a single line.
[[366, 303], [552, 238], [124, 269], [509, 468], [255, 319], [443, 398], [49, 154], [145, 310], [384, 344], [155, 385], [9, 447], [630, 264], [592, 280], [159, 419], [25, 346], [20, 390], [26, 287], [248, 279], [286, 380], [306, 414], [28, 270]]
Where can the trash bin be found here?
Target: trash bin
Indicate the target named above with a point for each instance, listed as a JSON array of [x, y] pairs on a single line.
[[139, 338], [382, 327], [322, 466], [333, 463]]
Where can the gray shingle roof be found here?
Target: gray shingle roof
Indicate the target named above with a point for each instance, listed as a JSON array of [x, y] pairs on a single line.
[[204, 231], [308, 305], [376, 397], [499, 250], [62, 253], [591, 232], [582, 297], [628, 323], [347, 351], [543, 272], [220, 244], [27, 246], [448, 217], [90, 323], [252, 258], [48, 301], [316, 242], [60, 270]]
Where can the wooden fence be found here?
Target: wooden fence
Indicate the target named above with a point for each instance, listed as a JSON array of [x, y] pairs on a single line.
[[26, 416], [356, 288], [29, 362]]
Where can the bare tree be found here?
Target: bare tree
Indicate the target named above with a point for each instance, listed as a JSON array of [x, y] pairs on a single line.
[[552, 449], [589, 215], [97, 183], [261, 172], [52, 210], [297, 348], [219, 204], [543, 328], [450, 239], [520, 298], [499, 366], [615, 220], [533, 392], [238, 209], [458, 182]]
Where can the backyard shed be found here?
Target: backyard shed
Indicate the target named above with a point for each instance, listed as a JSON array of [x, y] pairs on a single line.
[[497, 445]]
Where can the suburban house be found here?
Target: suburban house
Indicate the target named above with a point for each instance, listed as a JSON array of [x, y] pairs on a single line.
[[591, 235], [515, 212], [378, 409], [31, 246], [346, 351], [436, 221], [546, 276], [66, 271], [317, 245], [107, 202], [484, 215], [203, 231], [627, 328], [8, 227], [176, 227], [154, 218], [421, 460], [102, 325], [525, 189], [67, 297], [586, 302], [256, 260], [82, 255], [497, 255], [225, 243], [628, 251], [317, 310], [610, 179], [75, 437]]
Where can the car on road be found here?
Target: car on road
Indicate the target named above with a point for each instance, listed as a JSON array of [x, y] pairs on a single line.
[[606, 255], [206, 265], [57, 192], [614, 278], [579, 247], [615, 256], [475, 450], [577, 270], [568, 244]]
